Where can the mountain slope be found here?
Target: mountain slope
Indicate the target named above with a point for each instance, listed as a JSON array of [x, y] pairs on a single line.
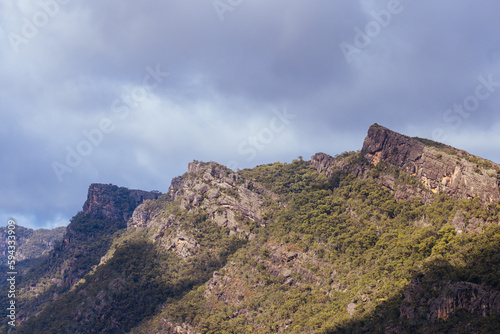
[[343, 258], [400, 237], [171, 246], [86, 240]]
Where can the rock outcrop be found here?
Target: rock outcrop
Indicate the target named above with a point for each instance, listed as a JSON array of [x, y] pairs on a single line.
[[116, 203], [440, 168], [349, 162], [228, 199]]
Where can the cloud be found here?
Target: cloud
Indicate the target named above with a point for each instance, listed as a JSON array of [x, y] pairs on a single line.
[[226, 78]]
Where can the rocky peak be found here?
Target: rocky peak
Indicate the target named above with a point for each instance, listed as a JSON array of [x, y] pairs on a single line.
[[204, 171], [348, 162], [439, 167], [115, 202], [382, 144], [228, 199], [323, 163]]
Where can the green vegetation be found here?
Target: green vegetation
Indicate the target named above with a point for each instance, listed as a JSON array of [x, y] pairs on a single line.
[[478, 161], [362, 244], [443, 147], [68, 263], [337, 255], [137, 279]]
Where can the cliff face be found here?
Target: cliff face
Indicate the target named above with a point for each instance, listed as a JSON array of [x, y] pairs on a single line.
[[115, 202], [86, 239], [111, 205], [106, 210], [382, 144], [440, 168], [225, 197]]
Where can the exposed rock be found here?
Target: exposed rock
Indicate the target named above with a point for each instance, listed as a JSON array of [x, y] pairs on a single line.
[[459, 222], [182, 244], [437, 167], [324, 163], [382, 144], [233, 285], [440, 168], [351, 308], [168, 327], [116, 203], [356, 164], [327, 164], [227, 197], [144, 216], [472, 225]]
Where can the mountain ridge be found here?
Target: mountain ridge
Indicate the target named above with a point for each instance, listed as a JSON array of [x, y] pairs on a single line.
[[85, 241], [359, 242]]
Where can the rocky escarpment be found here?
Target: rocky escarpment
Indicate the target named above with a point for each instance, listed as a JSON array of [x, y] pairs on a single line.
[[115, 202], [288, 264], [87, 239], [357, 164], [440, 168], [226, 198], [349, 162], [224, 194], [112, 205]]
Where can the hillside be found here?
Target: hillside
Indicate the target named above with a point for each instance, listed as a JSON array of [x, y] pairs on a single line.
[[402, 236], [86, 240]]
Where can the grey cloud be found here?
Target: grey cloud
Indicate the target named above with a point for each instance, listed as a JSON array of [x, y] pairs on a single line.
[[225, 79]]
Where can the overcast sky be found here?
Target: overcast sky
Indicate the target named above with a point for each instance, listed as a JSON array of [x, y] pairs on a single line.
[[129, 92]]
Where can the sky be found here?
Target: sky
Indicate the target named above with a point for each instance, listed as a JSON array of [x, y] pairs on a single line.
[[129, 92]]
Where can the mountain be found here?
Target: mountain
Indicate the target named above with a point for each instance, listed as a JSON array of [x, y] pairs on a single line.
[[85, 241], [402, 236]]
